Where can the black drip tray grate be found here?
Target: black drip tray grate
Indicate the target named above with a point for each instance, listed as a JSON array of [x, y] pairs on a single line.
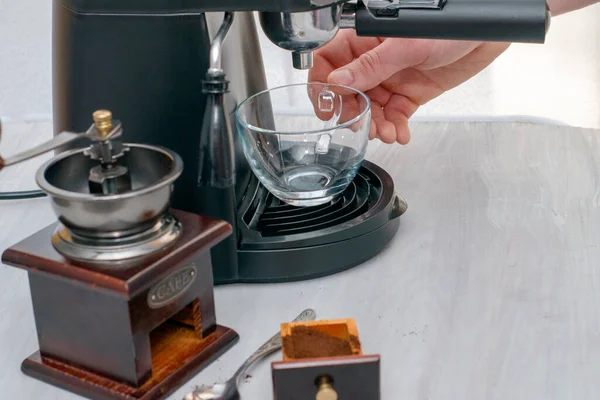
[[279, 218]]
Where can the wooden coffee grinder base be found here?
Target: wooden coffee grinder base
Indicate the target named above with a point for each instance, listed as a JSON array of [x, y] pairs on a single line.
[[101, 331], [178, 355]]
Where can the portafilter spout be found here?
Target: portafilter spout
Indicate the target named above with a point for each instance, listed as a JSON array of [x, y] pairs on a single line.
[[302, 32]]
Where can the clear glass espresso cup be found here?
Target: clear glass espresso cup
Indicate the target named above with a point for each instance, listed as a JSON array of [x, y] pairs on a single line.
[[312, 147]]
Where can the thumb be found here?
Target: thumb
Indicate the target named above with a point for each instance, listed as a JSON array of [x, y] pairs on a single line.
[[381, 62]]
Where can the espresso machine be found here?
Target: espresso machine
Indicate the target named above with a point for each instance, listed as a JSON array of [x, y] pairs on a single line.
[[121, 283], [147, 61]]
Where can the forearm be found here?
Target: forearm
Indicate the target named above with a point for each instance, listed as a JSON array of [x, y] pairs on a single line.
[[559, 7]]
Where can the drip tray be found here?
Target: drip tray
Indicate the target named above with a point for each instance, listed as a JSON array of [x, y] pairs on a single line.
[[282, 219], [280, 242]]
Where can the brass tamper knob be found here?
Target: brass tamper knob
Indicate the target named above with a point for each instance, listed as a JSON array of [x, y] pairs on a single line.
[[326, 391], [103, 121]]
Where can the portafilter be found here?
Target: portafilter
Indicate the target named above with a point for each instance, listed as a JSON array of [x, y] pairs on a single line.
[[303, 32]]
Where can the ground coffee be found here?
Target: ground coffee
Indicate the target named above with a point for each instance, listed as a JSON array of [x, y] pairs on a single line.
[[305, 342]]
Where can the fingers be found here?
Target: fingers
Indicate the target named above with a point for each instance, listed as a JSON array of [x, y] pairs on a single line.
[[378, 64], [398, 110], [373, 130], [340, 51], [402, 130], [343, 105], [321, 69], [345, 47], [350, 109], [386, 131], [354, 106], [414, 85], [364, 64], [342, 108], [379, 94], [389, 123]]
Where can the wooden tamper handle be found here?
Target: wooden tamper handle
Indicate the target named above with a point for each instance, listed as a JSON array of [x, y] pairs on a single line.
[[326, 391]]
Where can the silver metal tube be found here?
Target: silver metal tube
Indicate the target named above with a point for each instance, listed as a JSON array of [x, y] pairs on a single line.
[[302, 59], [217, 44]]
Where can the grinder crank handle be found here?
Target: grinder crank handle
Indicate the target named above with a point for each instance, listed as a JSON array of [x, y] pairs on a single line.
[[524, 21], [59, 141], [53, 144]]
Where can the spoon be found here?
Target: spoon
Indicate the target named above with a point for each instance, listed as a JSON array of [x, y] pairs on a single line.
[[229, 389]]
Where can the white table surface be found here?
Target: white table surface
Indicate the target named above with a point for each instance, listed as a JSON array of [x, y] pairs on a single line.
[[489, 291]]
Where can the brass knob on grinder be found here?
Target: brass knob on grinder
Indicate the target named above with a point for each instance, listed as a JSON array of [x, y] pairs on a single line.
[[103, 121], [326, 391]]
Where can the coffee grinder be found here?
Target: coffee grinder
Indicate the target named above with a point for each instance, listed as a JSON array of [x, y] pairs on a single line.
[[121, 284], [147, 61]]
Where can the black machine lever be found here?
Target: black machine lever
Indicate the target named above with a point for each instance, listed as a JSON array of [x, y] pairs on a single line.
[[524, 21]]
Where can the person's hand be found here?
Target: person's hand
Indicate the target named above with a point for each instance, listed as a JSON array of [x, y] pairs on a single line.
[[399, 75]]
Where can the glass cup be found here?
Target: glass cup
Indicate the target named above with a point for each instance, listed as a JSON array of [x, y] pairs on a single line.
[[305, 142]]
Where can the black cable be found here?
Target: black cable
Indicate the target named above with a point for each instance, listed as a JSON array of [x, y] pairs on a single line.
[[29, 194]]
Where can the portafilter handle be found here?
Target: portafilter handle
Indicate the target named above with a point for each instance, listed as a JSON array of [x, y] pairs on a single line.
[[103, 130], [514, 21]]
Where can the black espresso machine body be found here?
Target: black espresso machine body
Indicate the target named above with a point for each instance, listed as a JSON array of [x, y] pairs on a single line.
[[145, 61]]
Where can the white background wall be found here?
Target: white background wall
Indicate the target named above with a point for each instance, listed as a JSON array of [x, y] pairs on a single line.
[[559, 80]]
